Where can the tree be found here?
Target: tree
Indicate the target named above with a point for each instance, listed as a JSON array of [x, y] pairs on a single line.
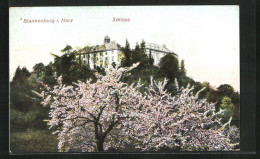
[[38, 69], [136, 54], [67, 49], [142, 46], [169, 66], [139, 55], [44, 73], [143, 57], [20, 90], [225, 90], [69, 67], [183, 70], [206, 86], [228, 108], [25, 110], [87, 114], [49, 75], [109, 113], [127, 60], [151, 60], [212, 96], [181, 122], [20, 76]]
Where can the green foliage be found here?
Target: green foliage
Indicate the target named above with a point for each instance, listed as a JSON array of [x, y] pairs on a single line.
[[44, 73], [20, 121], [38, 69], [33, 141], [206, 86], [144, 73], [20, 90], [139, 55], [211, 96], [133, 56], [67, 49], [127, 59], [71, 69], [228, 108], [48, 75], [185, 80], [183, 70], [216, 96], [225, 90], [25, 110], [150, 57], [20, 76], [169, 66], [136, 54]]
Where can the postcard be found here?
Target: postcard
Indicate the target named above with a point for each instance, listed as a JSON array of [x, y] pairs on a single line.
[[124, 79]]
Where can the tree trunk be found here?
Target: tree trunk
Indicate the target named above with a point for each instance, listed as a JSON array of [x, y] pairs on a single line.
[[100, 145]]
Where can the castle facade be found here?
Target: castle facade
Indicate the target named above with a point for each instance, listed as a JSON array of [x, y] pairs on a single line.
[[111, 52]]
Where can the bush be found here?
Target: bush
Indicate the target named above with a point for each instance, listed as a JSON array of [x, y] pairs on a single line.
[[20, 121], [33, 141]]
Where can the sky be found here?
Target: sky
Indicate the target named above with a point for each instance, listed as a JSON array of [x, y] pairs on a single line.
[[205, 37]]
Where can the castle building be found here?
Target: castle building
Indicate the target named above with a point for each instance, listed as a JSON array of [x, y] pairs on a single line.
[[157, 52], [109, 53], [105, 55]]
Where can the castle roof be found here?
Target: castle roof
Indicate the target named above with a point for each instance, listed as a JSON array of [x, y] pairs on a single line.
[[112, 46], [106, 37], [157, 47]]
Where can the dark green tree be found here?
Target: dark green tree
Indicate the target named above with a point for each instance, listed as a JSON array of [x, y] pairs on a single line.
[[68, 66], [206, 86], [49, 75], [225, 90], [183, 70], [44, 74], [212, 96], [38, 69], [20, 75], [127, 60], [67, 49], [143, 56], [136, 54], [169, 66], [25, 110]]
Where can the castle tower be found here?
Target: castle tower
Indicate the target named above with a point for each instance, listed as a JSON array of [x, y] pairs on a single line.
[[106, 40]]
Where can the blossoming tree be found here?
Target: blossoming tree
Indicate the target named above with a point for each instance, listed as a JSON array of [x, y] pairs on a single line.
[[86, 114], [181, 122], [95, 116]]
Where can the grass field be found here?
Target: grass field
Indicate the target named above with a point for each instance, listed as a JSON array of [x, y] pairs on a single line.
[[33, 141]]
